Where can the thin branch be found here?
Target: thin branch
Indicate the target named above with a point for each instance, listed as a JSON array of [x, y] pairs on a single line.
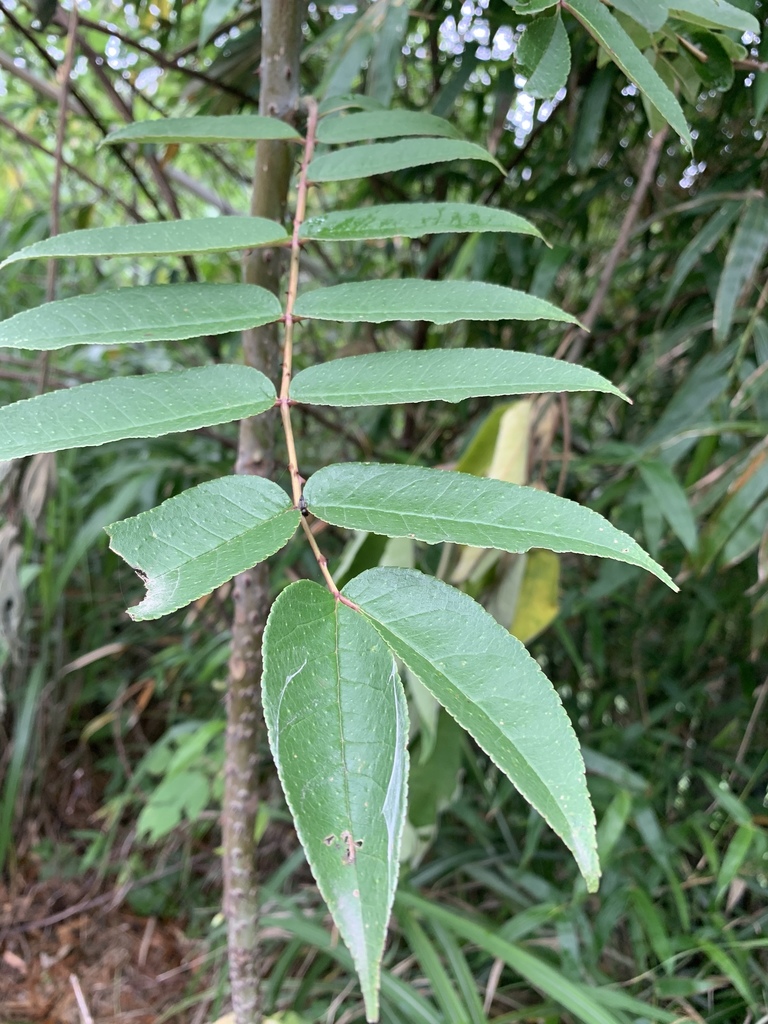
[[72, 168], [168, 63], [85, 105], [293, 286], [61, 130], [40, 86], [571, 346]]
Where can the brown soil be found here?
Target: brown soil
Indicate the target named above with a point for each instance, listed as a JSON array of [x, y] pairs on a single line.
[[67, 956]]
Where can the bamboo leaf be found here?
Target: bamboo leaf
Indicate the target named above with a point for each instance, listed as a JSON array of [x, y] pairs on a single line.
[[436, 506], [144, 406], [446, 375], [214, 14], [747, 248], [440, 302], [161, 238], [199, 539], [338, 728], [170, 312], [598, 20], [489, 683], [671, 500], [203, 129], [412, 220], [544, 56], [383, 124], [382, 157]]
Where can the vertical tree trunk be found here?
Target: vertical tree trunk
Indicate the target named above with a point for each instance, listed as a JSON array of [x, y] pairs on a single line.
[[279, 97]]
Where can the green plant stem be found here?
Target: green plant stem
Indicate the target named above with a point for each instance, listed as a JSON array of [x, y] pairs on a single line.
[[279, 97]]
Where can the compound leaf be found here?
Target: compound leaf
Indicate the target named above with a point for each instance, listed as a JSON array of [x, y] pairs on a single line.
[[143, 406], [168, 312], [440, 302], [338, 728], [437, 506], [446, 375], [488, 682], [199, 539]]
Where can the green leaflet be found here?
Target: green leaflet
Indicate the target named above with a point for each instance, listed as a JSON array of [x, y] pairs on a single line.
[[161, 238], [203, 129], [437, 506], [382, 157], [447, 375], [609, 33], [169, 312], [715, 14], [489, 683], [196, 541], [338, 728], [440, 302], [383, 124], [651, 14], [143, 406], [412, 220], [544, 56]]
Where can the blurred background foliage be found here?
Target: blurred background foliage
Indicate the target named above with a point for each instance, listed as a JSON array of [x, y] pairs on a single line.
[[111, 733]]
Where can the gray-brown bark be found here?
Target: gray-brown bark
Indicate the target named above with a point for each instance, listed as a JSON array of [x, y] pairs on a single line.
[[279, 97]]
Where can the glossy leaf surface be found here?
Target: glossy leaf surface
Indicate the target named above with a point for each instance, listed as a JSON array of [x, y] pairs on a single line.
[[161, 238], [412, 220], [651, 14], [596, 17], [440, 302], [383, 157], [383, 124], [436, 506], [489, 683], [338, 728], [168, 312], [196, 541], [544, 56], [226, 128], [144, 406], [715, 14], [446, 375]]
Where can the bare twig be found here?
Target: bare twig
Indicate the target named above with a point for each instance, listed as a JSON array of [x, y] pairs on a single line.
[[157, 56], [85, 105], [65, 71], [39, 85], [72, 168], [85, 1015], [572, 345]]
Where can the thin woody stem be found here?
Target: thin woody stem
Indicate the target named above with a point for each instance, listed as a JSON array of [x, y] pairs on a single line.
[[293, 286], [284, 401]]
